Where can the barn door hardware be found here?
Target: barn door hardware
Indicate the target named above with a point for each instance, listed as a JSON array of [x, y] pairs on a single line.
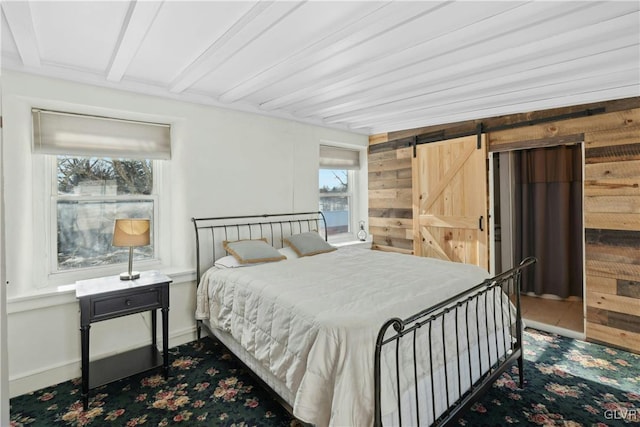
[[480, 225], [479, 130], [414, 144], [442, 135]]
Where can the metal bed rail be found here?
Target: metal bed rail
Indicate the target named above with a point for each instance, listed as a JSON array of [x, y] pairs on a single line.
[[484, 333]]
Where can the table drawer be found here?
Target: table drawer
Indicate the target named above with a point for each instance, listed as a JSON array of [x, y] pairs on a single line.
[[120, 305]]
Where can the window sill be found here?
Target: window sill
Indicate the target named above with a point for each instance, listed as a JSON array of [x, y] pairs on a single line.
[[66, 294], [357, 242], [342, 239]]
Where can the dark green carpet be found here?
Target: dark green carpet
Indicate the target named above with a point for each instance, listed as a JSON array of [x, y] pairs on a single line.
[[567, 382]]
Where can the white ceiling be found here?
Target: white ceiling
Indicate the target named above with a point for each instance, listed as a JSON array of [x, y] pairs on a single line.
[[364, 66]]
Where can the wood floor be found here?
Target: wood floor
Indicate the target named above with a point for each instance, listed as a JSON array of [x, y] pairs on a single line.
[[555, 313]]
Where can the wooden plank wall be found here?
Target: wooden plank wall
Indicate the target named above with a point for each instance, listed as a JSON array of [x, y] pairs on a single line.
[[611, 202], [611, 217], [390, 206]]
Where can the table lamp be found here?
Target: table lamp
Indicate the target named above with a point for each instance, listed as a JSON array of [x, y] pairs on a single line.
[[131, 233]]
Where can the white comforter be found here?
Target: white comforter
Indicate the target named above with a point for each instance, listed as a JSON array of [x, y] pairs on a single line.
[[313, 321]]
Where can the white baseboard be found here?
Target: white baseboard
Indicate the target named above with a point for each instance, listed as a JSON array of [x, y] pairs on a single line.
[[554, 329], [55, 374]]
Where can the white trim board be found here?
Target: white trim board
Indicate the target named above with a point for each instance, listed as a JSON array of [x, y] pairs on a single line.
[[554, 329], [57, 373]]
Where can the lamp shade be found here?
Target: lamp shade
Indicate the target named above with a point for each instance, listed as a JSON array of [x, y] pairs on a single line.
[[131, 232]]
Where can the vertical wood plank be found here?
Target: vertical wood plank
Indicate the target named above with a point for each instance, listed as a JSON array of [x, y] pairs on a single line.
[[611, 191]]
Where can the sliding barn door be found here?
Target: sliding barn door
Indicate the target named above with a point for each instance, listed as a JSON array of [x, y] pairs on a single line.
[[450, 201]]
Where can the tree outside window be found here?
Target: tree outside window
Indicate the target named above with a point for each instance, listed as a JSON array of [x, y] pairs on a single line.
[[335, 199], [91, 194]]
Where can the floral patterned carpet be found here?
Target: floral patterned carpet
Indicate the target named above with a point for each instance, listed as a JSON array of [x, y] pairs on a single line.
[[567, 382]]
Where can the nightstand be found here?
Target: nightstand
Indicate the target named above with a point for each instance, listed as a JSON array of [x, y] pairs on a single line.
[[109, 297]]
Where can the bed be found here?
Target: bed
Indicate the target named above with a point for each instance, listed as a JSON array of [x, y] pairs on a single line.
[[354, 336]]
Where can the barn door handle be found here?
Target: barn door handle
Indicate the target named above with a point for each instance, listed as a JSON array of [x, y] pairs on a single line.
[[480, 223]]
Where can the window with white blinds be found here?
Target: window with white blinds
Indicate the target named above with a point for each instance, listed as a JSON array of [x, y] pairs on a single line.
[[339, 158], [337, 183], [102, 169], [71, 134]]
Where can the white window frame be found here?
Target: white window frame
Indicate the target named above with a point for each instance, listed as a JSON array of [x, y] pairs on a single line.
[[351, 200], [354, 194], [52, 240], [43, 233]]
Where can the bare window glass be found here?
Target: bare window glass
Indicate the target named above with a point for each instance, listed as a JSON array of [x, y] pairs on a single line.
[[92, 193], [335, 199]]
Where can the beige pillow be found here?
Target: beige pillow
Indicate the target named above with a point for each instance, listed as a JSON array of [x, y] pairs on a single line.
[[309, 243], [252, 251]]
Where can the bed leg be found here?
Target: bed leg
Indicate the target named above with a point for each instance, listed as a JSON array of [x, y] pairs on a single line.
[[521, 370]]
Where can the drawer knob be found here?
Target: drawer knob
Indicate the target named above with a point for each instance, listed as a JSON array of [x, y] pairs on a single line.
[[127, 302]]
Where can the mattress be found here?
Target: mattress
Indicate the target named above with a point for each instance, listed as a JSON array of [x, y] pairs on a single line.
[[310, 324]]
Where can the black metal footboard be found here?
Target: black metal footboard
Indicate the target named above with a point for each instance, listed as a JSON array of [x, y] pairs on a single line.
[[432, 366]]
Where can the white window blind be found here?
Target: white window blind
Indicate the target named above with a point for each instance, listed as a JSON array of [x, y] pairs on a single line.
[[72, 134], [339, 158]]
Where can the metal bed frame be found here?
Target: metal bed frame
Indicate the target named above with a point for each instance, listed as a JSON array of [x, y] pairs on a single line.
[[272, 227], [275, 227], [507, 283]]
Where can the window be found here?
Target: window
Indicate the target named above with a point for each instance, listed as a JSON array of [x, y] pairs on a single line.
[[100, 169], [335, 200], [337, 179], [91, 193]]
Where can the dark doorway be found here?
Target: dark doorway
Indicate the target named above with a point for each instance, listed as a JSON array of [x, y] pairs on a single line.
[[548, 219]]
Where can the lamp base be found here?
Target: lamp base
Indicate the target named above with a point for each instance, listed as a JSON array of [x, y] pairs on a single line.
[[130, 276]]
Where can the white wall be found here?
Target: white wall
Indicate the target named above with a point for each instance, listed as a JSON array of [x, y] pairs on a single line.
[[4, 359], [223, 162]]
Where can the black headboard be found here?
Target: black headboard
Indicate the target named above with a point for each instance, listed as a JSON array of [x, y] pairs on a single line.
[[211, 232]]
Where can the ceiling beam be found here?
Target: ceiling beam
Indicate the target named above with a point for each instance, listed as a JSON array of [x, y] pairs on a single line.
[[597, 87], [589, 96], [616, 68], [464, 35], [450, 71], [139, 19], [20, 22], [379, 21], [215, 54], [522, 63]]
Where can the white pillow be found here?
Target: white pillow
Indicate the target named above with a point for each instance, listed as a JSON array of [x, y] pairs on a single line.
[[288, 252], [229, 261]]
